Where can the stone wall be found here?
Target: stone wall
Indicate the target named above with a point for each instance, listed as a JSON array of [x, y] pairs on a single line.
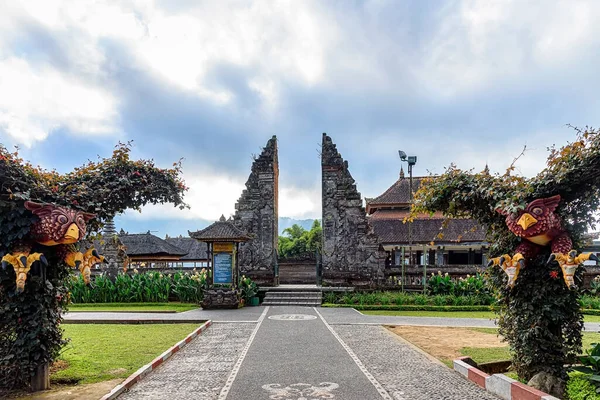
[[257, 215], [351, 251]]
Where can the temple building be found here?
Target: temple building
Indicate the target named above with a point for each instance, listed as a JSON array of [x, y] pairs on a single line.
[[146, 250], [197, 252], [150, 251], [432, 241]]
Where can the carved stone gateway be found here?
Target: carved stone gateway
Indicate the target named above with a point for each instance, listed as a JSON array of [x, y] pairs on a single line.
[[257, 215], [351, 251]]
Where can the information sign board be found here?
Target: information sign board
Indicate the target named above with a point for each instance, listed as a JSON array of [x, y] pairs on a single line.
[[223, 268]]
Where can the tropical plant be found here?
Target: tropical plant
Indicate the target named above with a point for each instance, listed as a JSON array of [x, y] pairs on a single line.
[[591, 365], [595, 286], [440, 284], [189, 288], [472, 285], [248, 287], [150, 287], [298, 242]]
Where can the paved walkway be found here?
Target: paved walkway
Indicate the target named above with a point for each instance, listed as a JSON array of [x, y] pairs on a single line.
[[333, 316], [294, 353]]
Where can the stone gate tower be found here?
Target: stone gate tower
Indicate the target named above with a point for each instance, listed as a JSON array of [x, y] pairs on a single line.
[[257, 215], [351, 253]]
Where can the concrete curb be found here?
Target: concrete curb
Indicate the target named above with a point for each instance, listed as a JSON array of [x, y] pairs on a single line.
[[498, 384], [146, 369], [132, 321], [126, 312]]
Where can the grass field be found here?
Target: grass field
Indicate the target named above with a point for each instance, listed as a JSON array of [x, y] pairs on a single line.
[[103, 352], [481, 344], [483, 355], [177, 307], [443, 314], [455, 314]]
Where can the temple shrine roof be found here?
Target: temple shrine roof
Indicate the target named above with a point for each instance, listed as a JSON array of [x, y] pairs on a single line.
[[220, 231]]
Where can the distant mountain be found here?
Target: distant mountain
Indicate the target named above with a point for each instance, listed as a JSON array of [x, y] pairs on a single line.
[[286, 222]]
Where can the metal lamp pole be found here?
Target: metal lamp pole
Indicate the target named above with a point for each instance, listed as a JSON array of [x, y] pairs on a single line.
[[410, 160]]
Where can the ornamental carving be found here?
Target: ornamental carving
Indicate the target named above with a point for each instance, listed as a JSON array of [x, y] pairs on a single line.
[[301, 391]]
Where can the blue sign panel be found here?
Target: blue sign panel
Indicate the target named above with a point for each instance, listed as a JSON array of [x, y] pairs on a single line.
[[223, 268]]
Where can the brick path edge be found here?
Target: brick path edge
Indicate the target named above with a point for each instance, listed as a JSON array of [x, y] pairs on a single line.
[[498, 384], [146, 369]]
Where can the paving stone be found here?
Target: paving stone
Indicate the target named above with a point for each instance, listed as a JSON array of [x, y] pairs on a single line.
[[200, 369], [405, 373]]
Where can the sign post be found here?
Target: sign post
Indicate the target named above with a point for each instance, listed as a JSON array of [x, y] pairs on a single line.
[[223, 240], [223, 263]]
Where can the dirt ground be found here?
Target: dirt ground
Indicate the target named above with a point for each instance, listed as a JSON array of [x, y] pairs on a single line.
[[443, 342], [92, 391]]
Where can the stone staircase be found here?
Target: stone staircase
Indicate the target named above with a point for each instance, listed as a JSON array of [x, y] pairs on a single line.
[[293, 295]]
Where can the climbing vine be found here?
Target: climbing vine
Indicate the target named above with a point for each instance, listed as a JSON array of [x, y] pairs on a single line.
[[539, 316], [30, 334]]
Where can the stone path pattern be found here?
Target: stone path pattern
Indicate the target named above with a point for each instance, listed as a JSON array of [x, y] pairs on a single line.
[[302, 359]]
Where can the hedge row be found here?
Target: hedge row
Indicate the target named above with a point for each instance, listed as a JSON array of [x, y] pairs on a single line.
[[394, 307]]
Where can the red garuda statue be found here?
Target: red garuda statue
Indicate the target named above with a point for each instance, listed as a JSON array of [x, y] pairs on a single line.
[[57, 226], [539, 226]]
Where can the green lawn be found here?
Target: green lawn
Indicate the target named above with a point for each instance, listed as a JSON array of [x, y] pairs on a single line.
[[453, 314], [483, 355], [443, 314], [103, 352], [178, 307]]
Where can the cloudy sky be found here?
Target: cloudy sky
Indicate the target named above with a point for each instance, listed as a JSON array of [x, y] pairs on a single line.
[[461, 81]]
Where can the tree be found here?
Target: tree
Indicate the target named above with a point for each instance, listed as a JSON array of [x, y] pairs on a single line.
[[540, 316], [30, 335], [297, 242]]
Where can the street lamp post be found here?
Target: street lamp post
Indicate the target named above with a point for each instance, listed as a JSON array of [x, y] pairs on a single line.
[[410, 160]]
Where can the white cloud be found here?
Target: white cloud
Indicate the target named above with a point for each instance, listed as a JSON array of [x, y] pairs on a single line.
[[299, 203], [35, 101], [279, 40], [212, 195], [481, 43]]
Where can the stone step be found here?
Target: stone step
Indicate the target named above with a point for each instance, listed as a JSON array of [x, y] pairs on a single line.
[[294, 298], [298, 294], [293, 294], [291, 303]]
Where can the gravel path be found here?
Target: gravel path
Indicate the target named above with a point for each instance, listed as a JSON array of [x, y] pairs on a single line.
[[404, 372]]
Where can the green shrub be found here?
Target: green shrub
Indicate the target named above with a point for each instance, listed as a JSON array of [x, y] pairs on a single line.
[[410, 307], [589, 302], [248, 287], [591, 365], [595, 286], [330, 297], [580, 388], [400, 298], [440, 284], [152, 287]]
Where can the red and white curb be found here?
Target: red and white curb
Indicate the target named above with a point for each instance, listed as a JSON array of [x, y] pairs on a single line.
[[499, 384], [146, 369]]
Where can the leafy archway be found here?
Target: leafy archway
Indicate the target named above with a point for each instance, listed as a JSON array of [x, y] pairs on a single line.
[[30, 334], [539, 314]]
